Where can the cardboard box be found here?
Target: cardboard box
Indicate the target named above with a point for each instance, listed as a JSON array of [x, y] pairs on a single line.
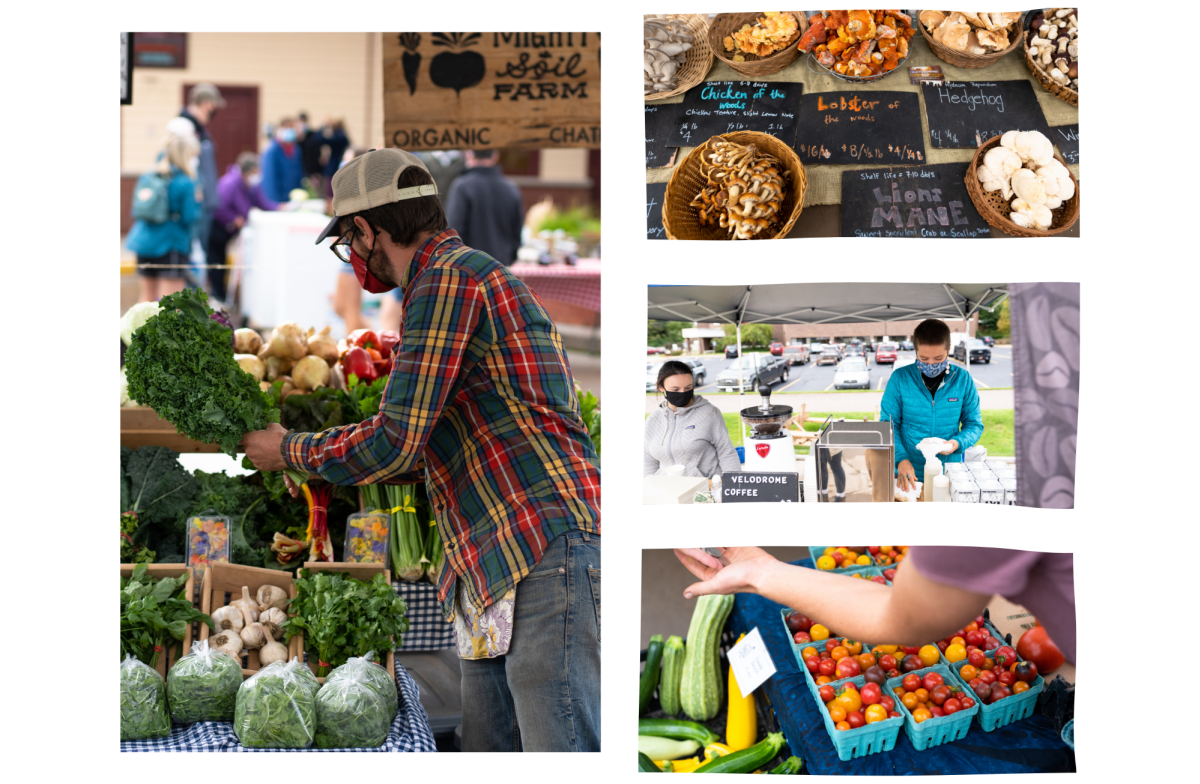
[[364, 572], [222, 584], [1009, 618], [177, 649]]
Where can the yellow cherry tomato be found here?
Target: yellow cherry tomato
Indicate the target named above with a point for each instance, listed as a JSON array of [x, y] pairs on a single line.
[[910, 700], [920, 715], [956, 653], [825, 563], [819, 632], [849, 700], [875, 713], [929, 655], [839, 653], [864, 560], [837, 713], [854, 646], [958, 641], [809, 651], [829, 551], [842, 725], [823, 679], [968, 673], [886, 648]]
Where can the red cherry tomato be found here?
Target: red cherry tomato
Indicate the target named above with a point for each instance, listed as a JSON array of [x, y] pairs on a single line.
[[951, 706], [888, 662], [847, 668], [975, 638], [871, 694], [911, 650], [813, 664], [991, 643], [827, 693], [988, 677], [893, 714], [888, 702], [976, 658], [832, 643], [966, 702], [1005, 656], [827, 667], [855, 719], [936, 710], [983, 691], [911, 682], [939, 694], [943, 645], [931, 681], [1007, 678]]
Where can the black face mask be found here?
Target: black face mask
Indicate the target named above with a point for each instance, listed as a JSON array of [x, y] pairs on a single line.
[[680, 399]]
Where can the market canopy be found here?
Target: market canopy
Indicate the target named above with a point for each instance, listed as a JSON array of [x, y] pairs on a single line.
[[822, 303]]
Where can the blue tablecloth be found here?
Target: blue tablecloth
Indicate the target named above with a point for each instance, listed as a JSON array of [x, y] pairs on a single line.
[[1027, 746], [410, 730]]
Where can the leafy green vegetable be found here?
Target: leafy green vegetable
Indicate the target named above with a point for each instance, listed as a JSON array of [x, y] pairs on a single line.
[[154, 613], [275, 708], [355, 707], [143, 702], [180, 363], [131, 552], [160, 491], [203, 685], [406, 532], [341, 617], [789, 766]]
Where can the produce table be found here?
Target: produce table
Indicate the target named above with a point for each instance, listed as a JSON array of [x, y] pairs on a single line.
[[577, 285], [1026, 746], [410, 730]]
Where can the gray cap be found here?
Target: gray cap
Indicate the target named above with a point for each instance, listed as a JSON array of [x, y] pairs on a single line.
[[205, 91], [370, 181]]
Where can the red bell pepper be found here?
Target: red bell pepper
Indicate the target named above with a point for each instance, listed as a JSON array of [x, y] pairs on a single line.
[[366, 339], [388, 339], [383, 367], [358, 362]]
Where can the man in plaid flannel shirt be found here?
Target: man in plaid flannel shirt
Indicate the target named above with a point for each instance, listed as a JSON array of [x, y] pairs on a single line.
[[481, 402]]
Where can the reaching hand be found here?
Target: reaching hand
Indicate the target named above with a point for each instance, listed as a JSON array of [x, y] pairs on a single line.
[[950, 449], [746, 565]]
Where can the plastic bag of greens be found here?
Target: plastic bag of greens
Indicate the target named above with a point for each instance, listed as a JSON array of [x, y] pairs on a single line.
[[355, 708], [275, 708], [143, 702], [376, 674], [203, 685]]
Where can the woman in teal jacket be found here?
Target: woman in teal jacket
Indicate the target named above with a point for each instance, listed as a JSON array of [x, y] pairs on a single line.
[[164, 247], [931, 399]]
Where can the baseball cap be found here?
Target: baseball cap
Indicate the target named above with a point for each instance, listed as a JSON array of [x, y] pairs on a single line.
[[206, 91], [370, 181]]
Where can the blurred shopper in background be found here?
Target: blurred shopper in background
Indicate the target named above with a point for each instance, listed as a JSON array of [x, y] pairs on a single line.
[[335, 144], [485, 207], [203, 102], [310, 143], [166, 205], [444, 166], [282, 163], [238, 191]]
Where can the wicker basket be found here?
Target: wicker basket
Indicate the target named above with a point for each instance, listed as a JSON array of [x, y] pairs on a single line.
[[679, 217], [753, 66], [965, 60], [1065, 93], [995, 208], [697, 60]]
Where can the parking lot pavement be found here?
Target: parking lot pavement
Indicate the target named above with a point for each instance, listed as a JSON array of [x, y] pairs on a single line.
[[841, 401], [819, 378]]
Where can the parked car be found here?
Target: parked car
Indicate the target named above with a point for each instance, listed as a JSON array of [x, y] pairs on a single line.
[[757, 369], [731, 351], [830, 355], [699, 371], [989, 341], [975, 348], [885, 353], [856, 351], [907, 359], [776, 349], [852, 373], [796, 355], [907, 345], [655, 350], [815, 349]]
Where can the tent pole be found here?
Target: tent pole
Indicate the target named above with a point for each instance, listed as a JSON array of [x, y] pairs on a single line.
[[741, 385]]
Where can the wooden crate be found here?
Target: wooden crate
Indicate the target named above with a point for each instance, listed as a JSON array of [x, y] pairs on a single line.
[[177, 649], [140, 426], [364, 572], [223, 583]]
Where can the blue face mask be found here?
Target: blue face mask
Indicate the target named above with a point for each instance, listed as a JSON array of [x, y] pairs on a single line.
[[287, 135], [934, 370]]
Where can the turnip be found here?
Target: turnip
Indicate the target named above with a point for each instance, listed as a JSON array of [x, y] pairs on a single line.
[[287, 342], [324, 346], [310, 373], [277, 367], [252, 365], [247, 341]]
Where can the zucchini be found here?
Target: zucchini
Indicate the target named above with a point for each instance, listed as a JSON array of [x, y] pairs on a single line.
[[650, 673], [657, 748], [746, 760], [702, 690], [646, 765], [679, 729], [789, 766], [672, 676]]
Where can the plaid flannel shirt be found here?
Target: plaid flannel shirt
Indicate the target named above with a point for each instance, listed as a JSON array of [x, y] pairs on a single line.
[[481, 396]]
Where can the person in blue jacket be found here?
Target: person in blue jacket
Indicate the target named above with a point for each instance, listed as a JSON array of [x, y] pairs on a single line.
[[282, 164], [163, 248], [931, 399]]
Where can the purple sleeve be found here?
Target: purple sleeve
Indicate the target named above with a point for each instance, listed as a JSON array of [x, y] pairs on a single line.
[[260, 200], [986, 570]]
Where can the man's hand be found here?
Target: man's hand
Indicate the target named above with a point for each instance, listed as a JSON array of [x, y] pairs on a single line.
[[906, 475], [262, 447], [950, 449], [746, 565]]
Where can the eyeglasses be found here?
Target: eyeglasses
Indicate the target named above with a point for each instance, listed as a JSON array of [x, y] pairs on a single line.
[[341, 248]]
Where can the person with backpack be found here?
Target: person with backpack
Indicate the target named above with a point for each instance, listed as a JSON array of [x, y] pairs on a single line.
[[165, 207]]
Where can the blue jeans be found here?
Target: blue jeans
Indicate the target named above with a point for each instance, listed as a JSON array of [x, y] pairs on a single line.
[[544, 694]]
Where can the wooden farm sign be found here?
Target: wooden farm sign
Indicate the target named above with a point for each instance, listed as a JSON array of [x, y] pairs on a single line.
[[478, 91]]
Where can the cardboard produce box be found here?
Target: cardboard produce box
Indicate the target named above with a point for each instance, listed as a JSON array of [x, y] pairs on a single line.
[[176, 649], [364, 572], [222, 584]]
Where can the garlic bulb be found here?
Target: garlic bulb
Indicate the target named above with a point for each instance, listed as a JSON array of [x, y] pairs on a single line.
[[254, 636], [272, 651], [272, 620], [228, 618], [272, 596], [247, 606], [228, 641]]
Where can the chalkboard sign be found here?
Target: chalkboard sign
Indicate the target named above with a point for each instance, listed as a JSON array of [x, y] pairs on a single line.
[[967, 114], [655, 193], [880, 127], [1067, 139], [713, 108], [760, 486], [910, 201], [660, 121]]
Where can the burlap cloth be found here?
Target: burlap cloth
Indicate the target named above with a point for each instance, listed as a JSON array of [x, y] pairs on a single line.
[[825, 181]]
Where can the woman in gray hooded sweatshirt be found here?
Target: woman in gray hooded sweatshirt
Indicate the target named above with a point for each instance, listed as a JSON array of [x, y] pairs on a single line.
[[686, 430]]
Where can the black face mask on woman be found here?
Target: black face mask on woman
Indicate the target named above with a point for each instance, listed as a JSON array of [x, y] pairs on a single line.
[[680, 399]]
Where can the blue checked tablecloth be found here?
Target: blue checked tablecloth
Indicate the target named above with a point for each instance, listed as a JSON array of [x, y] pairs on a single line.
[[427, 629], [1027, 746], [410, 730]]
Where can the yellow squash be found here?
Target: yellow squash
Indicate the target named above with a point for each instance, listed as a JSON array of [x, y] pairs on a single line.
[[741, 727]]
